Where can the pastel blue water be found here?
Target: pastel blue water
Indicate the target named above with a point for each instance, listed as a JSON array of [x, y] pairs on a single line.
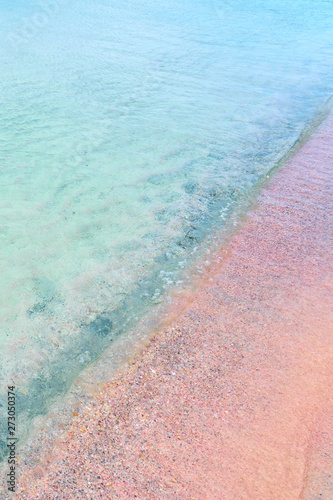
[[127, 131]]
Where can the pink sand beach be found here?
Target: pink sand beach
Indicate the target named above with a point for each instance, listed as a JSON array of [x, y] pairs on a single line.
[[233, 399]]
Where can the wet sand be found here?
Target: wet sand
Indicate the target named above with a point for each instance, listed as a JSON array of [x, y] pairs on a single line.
[[233, 399]]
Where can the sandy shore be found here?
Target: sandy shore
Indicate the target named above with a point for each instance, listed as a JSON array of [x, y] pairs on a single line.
[[234, 399]]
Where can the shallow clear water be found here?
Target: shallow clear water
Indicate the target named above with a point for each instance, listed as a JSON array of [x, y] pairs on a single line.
[[127, 132]]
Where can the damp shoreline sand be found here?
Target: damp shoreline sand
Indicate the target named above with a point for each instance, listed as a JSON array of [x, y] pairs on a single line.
[[233, 399]]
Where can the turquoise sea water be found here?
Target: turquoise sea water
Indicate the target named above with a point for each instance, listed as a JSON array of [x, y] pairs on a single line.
[[129, 130]]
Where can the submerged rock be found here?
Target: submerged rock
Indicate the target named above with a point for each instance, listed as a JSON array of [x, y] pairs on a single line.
[[101, 326]]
